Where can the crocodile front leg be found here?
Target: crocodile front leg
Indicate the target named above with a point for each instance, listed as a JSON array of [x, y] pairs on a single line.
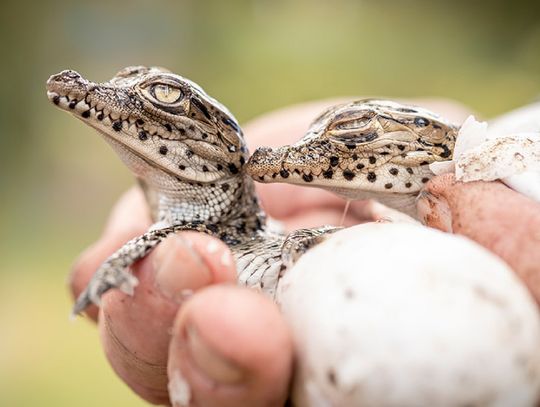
[[113, 272]]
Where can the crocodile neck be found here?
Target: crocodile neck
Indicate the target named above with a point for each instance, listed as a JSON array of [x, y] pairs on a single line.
[[219, 202], [185, 148], [174, 200]]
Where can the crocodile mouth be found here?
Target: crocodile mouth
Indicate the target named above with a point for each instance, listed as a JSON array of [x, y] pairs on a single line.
[[275, 165], [90, 102], [92, 112], [349, 177], [106, 119], [88, 109], [103, 119], [182, 145]]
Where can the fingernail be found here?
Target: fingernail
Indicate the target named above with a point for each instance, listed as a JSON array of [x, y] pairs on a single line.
[[210, 363], [226, 259], [179, 390], [212, 247], [179, 268]]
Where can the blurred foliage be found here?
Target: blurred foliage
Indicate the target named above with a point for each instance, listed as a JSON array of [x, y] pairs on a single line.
[[58, 180]]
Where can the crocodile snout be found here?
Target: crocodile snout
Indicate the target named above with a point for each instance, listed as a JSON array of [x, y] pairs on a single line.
[[67, 75], [266, 160], [67, 82]]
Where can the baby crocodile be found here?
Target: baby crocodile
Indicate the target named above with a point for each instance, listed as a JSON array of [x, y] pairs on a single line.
[[188, 153], [365, 149]]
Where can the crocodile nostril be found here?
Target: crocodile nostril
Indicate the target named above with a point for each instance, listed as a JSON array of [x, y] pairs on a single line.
[[261, 155], [67, 76], [70, 74], [263, 150], [68, 82]]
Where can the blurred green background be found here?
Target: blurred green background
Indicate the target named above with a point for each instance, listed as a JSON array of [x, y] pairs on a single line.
[[58, 180]]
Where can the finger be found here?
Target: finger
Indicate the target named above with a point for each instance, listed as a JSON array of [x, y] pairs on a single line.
[[135, 330], [233, 348], [500, 219], [433, 208], [276, 199], [378, 212], [312, 207], [327, 216]]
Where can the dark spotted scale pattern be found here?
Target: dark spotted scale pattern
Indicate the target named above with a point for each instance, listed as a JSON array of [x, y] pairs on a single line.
[[188, 153], [364, 149]]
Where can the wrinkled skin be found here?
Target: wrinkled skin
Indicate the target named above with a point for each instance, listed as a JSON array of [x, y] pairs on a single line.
[[500, 219], [230, 343]]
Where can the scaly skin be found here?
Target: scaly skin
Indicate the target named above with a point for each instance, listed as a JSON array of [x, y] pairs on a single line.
[[188, 153], [364, 149]]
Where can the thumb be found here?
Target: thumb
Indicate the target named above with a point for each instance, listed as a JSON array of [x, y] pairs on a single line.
[[230, 347]]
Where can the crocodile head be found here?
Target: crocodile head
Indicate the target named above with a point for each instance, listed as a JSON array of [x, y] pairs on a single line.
[[372, 147], [163, 126]]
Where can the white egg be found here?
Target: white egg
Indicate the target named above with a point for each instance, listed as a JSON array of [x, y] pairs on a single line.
[[401, 315]]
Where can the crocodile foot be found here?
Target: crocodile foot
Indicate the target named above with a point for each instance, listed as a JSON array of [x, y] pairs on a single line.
[[107, 276]]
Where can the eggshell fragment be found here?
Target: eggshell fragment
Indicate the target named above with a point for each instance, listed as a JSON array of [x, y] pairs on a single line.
[[394, 314], [498, 151], [500, 158]]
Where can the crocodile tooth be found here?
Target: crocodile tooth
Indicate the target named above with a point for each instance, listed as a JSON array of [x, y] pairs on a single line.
[[61, 100], [114, 115], [151, 129], [81, 106], [166, 136], [316, 171]]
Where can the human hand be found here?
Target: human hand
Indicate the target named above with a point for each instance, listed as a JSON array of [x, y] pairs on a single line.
[[500, 219], [229, 343]]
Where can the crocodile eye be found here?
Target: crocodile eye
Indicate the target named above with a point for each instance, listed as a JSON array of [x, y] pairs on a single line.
[[166, 93], [420, 121], [353, 124]]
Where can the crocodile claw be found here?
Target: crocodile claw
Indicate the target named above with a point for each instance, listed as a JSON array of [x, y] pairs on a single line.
[[105, 279]]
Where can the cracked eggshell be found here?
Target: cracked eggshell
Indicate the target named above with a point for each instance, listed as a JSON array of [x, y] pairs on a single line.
[[402, 315], [500, 158], [508, 149]]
